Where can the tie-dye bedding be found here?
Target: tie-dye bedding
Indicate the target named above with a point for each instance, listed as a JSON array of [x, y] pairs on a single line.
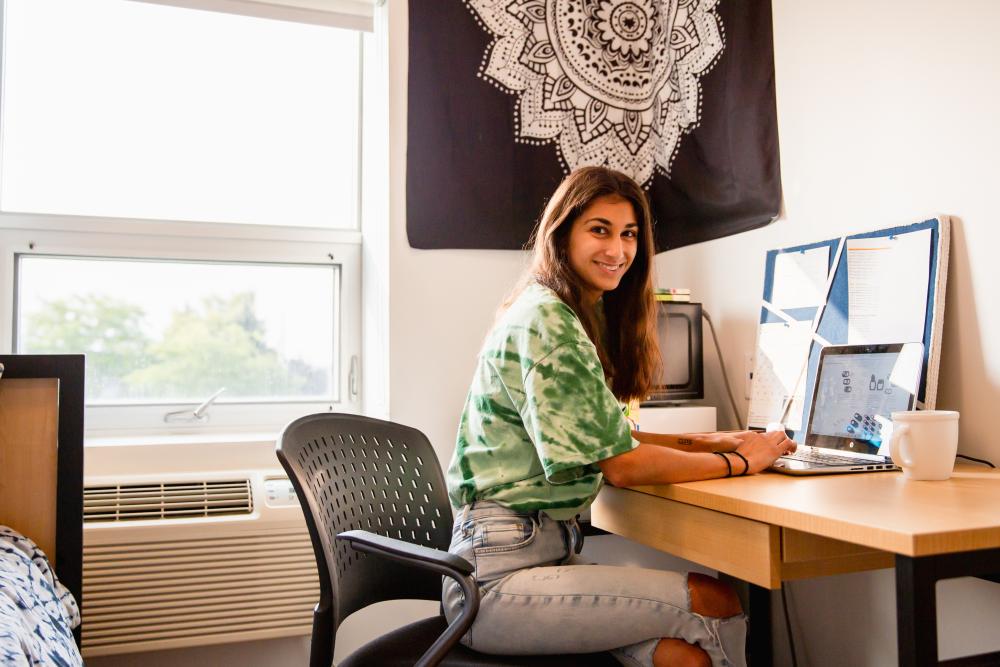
[[37, 613]]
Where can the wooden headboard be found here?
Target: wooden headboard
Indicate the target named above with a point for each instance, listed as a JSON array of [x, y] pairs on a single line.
[[41, 457], [29, 447]]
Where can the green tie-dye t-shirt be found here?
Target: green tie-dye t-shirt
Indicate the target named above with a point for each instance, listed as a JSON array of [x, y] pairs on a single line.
[[539, 414]]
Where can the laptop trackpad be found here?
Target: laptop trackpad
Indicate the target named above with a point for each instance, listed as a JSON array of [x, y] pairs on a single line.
[[792, 464]]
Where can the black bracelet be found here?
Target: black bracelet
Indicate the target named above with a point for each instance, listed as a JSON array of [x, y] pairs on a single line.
[[729, 466], [746, 463]]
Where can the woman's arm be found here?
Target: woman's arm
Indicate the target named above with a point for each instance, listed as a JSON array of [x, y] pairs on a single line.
[[657, 464], [722, 441]]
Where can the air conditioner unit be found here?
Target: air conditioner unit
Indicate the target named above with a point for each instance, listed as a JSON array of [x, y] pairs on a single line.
[[189, 544]]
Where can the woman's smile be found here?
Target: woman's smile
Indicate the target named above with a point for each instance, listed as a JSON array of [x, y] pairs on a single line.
[[610, 268]]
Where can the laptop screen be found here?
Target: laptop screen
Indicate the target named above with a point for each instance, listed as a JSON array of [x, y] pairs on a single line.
[[857, 390]]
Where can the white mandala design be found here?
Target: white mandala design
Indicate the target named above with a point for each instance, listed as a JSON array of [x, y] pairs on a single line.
[[610, 82]]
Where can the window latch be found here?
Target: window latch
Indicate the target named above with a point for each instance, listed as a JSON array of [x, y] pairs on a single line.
[[354, 378], [199, 414]]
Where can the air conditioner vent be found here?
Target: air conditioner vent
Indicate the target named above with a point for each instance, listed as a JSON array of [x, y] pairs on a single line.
[[141, 594], [166, 500]]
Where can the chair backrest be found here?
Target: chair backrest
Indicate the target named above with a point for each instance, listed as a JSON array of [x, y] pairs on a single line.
[[353, 472]]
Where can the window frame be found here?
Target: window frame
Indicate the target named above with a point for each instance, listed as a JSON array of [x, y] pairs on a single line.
[[224, 416], [90, 236]]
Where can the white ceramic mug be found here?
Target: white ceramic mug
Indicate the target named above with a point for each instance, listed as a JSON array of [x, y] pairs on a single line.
[[924, 443]]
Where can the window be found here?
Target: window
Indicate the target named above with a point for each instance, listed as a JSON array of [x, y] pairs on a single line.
[[176, 331], [179, 200], [136, 110]]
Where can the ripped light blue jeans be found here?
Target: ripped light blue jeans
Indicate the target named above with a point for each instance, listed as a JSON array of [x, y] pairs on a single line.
[[536, 601]]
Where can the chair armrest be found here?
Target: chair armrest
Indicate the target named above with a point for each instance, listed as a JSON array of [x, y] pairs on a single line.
[[416, 554], [442, 562]]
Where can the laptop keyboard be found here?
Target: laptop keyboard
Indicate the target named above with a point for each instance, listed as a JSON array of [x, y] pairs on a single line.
[[827, 459]]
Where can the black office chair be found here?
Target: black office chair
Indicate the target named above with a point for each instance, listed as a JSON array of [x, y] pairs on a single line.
[[374, 487]]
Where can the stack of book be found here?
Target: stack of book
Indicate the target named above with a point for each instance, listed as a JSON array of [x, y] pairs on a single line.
[[672, 294]]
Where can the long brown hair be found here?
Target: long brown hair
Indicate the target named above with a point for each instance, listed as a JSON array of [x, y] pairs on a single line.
[[628, 348]]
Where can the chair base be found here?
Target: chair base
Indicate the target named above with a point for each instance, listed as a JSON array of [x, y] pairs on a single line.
[[402, 648]]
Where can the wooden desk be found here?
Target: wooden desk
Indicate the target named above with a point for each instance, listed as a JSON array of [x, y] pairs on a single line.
[[770, 528]]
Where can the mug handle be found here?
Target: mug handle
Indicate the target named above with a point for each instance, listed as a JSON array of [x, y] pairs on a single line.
[[896, 449]]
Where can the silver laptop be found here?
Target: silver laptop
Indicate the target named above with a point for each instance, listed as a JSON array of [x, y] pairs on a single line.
[[857, 389]]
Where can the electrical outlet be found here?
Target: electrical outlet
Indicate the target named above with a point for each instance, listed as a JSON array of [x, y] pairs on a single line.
[[748, 369]]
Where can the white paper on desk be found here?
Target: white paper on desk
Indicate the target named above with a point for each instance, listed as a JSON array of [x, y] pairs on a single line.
[[887, 288], [782, 351], [800, 278]]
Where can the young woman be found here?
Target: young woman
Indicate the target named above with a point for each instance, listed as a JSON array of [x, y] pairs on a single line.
[[543, 428]]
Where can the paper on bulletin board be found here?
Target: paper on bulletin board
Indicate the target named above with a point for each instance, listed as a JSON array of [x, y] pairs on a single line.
[[782, 351], [887, 288], [800, 278]]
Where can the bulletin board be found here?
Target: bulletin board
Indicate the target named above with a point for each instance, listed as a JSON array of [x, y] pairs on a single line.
[[884, 286]]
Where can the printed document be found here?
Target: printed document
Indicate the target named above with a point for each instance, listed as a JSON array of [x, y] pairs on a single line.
[[800, 278], [887, 288], [782, 351]]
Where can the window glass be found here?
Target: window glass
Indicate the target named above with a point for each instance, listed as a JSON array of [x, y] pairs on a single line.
[[178, 331], [125, 109]]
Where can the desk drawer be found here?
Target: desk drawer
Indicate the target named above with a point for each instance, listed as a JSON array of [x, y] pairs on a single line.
[[746, 549], [750, 550], [805, 555]]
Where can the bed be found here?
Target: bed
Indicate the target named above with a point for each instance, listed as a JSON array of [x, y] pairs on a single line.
[[41, 509]]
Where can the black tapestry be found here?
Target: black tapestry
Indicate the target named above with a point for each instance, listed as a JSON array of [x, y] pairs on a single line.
[[507, 96]]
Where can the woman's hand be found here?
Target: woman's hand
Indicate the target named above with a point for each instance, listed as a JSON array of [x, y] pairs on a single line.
[[762, 449]]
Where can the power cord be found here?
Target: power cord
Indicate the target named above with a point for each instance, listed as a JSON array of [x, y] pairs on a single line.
[[972, 458], [722, 365], [788, 625]]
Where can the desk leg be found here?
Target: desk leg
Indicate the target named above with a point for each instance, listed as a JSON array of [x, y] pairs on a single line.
[[759, 639], [916, 611], [916, 603]]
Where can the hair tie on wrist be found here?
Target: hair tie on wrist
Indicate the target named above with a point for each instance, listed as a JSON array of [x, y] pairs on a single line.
[[729, 466], [746, 463]]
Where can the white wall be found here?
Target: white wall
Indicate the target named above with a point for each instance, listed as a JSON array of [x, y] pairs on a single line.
[[441, 301], [887, 115]]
